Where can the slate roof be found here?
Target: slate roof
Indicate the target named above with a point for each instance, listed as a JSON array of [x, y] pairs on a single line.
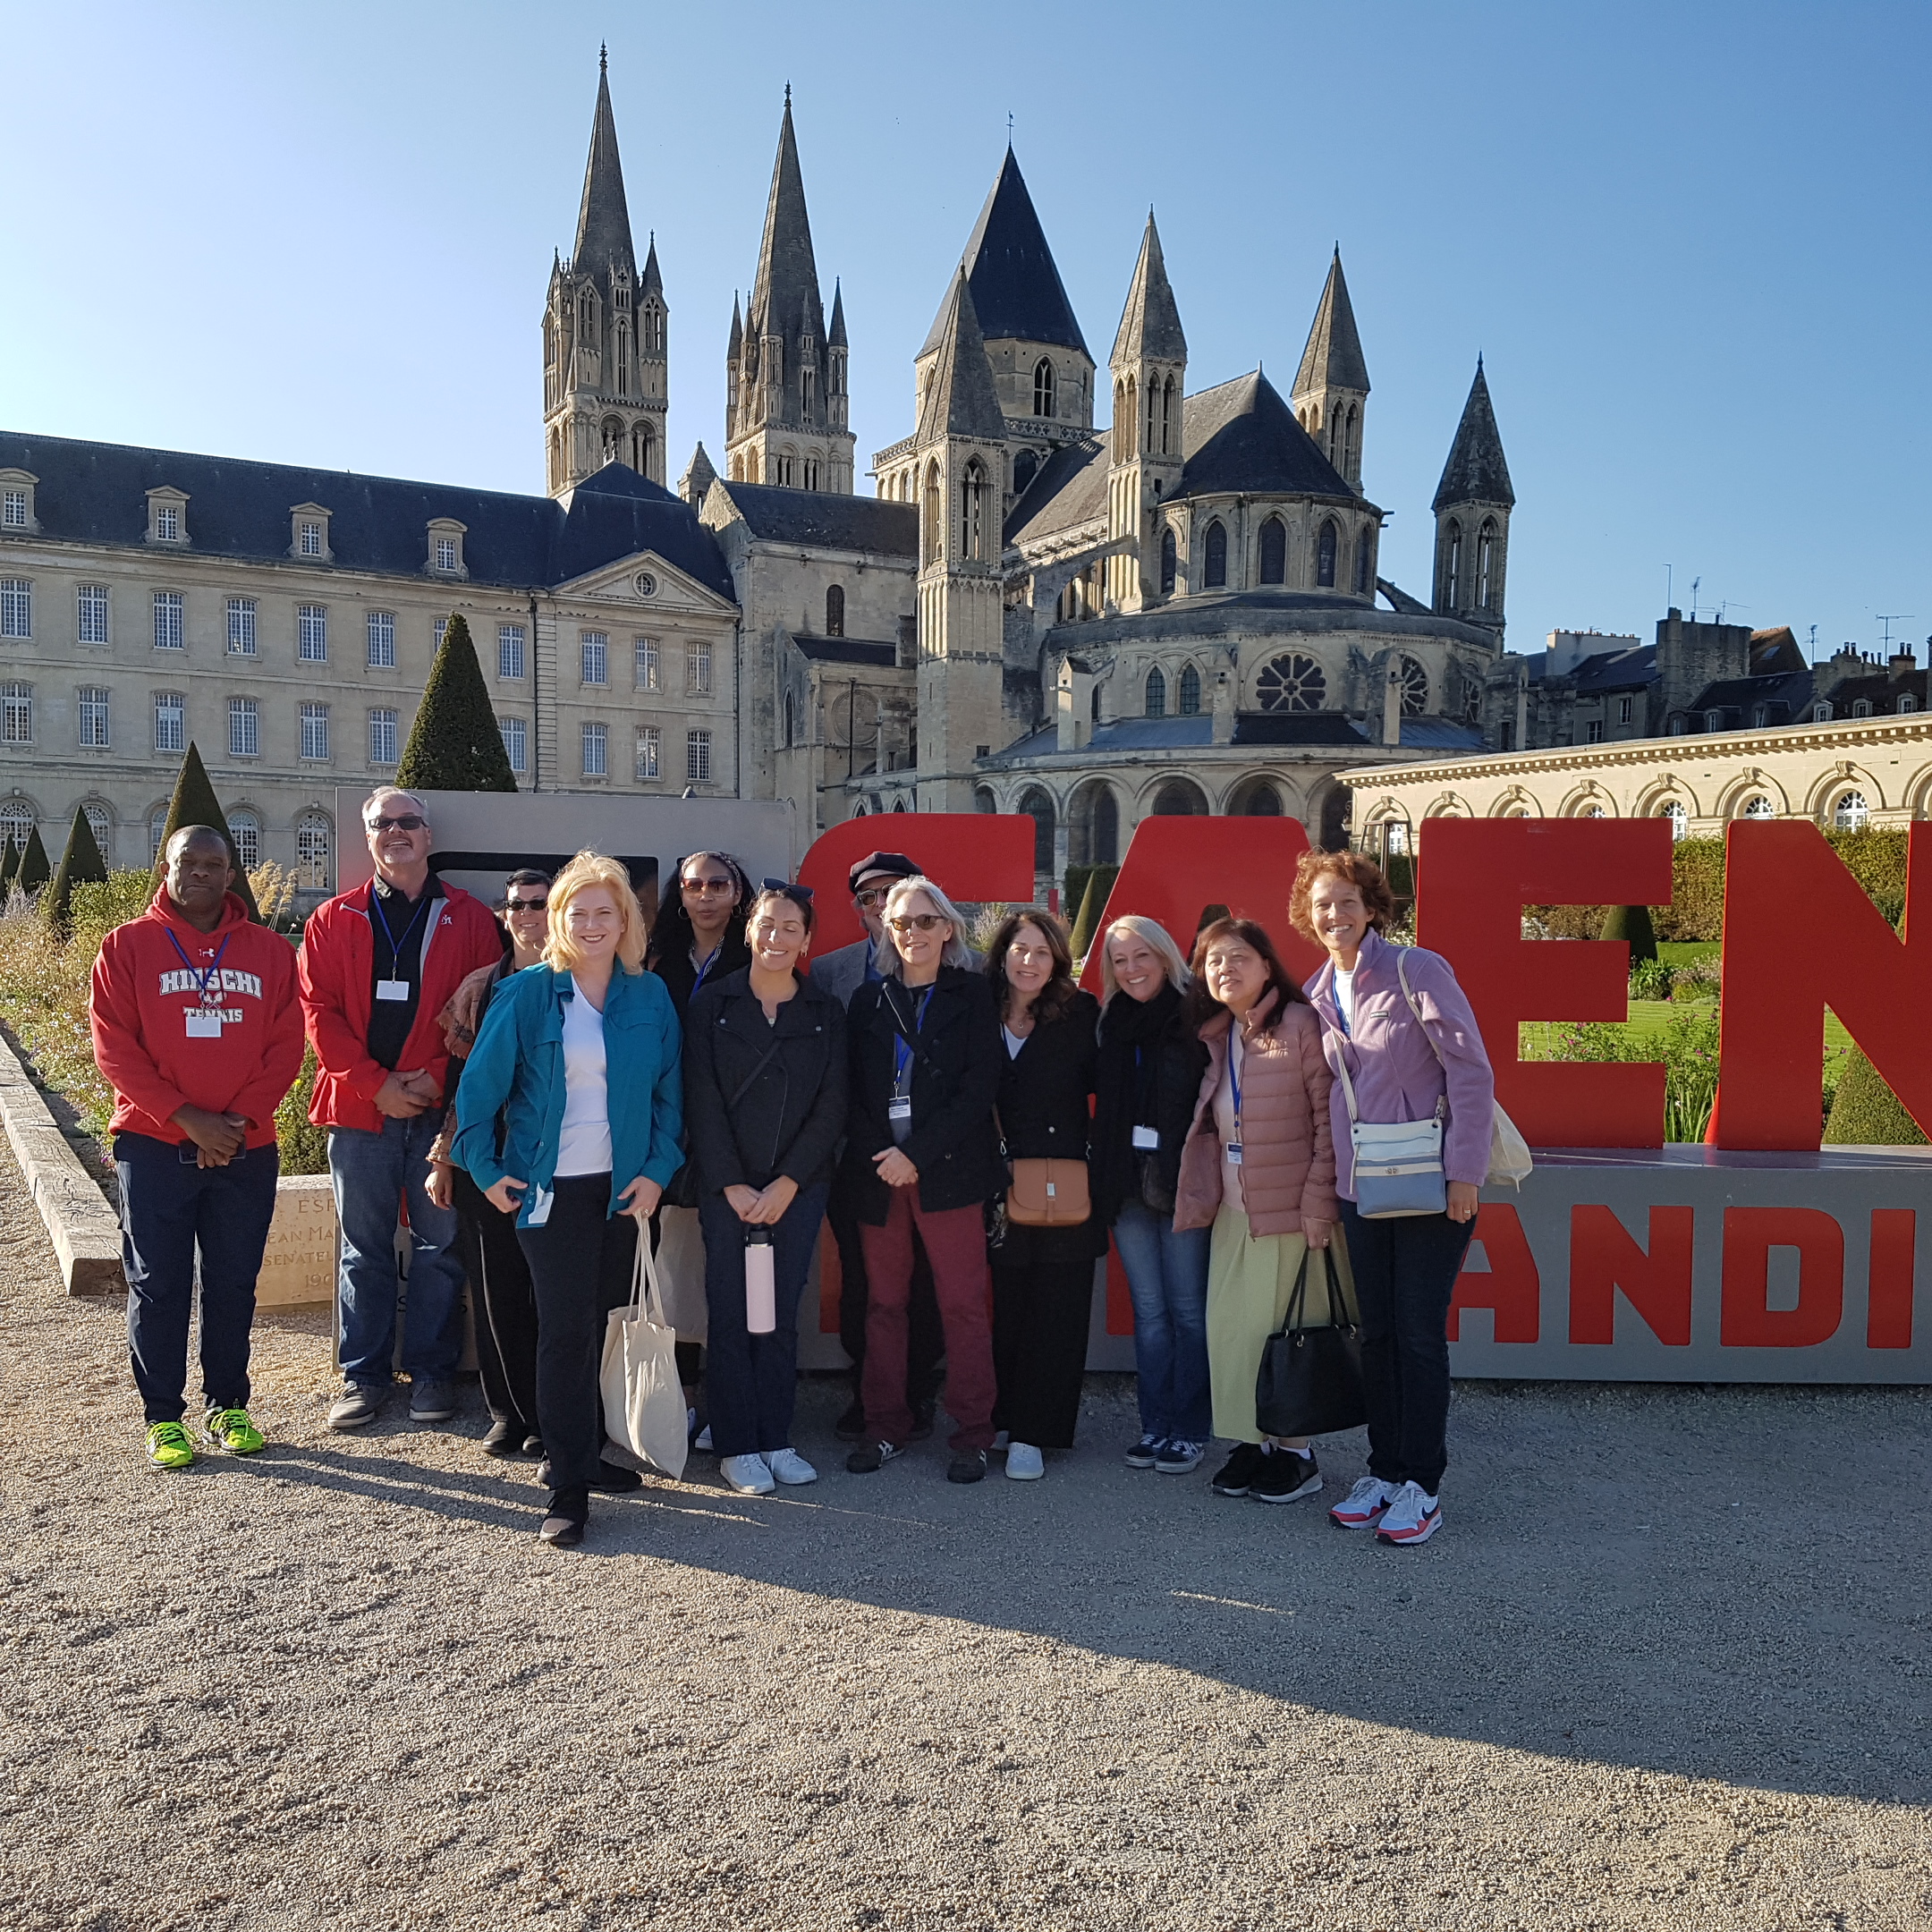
[[846, 650], [961, 399], [820, 519], [1880, 689], [1150, 322], [1015, 282], [1297, 728], [1240, 437], [1775, 650], [1333, 355], [1476, 471], [1439, 734], [1632, 669], [1067, 489], [603, 218], [95, 493]]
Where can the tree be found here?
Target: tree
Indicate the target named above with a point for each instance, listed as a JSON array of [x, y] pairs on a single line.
[[1865, 1111], [456, 744], [1632, 925], [194, 803], [80, 864], [34, 869], [1094, 895]]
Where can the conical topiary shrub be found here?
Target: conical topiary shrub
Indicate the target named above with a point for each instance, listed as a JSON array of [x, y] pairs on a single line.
[[1865, 1111], [194, 803], [34, 869], [1093, 901], [81, 863], [10, 859], [1632, 924], [454, 744]]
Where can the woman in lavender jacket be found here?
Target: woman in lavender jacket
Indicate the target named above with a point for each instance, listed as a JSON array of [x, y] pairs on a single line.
[[1405, 1270]]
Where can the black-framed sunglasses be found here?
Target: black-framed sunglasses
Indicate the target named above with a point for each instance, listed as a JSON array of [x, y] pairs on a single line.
[[925, 921], [873, 895], [408, 822], [525, 905]]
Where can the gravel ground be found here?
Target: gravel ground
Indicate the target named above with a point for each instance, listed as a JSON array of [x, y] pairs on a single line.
[[1667, 1666]]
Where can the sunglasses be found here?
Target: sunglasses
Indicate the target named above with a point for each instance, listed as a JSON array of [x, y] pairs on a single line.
[[408, 822], [873, 895], [525, 905], [706, 885], [925, 921]]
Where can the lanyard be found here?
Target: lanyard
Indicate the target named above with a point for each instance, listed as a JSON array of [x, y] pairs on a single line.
[[205, 977], [901, 1052], [395, 944], [710, 961], [1234, 1074]]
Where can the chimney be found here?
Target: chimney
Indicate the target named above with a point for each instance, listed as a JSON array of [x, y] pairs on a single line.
[[1903, 663], [1392, 690], [1073, 697], [1224, 708]]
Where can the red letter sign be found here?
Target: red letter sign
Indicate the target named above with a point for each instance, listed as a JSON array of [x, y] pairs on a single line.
[[1604, 1258], [970, 856], [1746, 1318]]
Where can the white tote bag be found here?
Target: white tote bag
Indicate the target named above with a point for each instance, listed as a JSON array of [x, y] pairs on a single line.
[[643, 1400]]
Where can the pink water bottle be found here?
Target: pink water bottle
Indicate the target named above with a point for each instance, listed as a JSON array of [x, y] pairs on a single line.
[[760, 1287]]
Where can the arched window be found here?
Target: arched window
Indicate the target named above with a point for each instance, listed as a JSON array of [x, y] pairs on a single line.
[[156, 826], [1043, 386], [1680, 819], [1148, 441], [1274, 552], [1486, 566], [1106, 827], [1256, 798], [791, 717], [972, 513], [1093, 826], [1862, 707], [808, 393], [17, 824], [898, 804], [983, 799], [1453, 565], [1907, 703], [934, 512], [1168, 562], [1157, 693], [1127, 421], [835, 611], [1759, 806], [1414, 688], [1850, 813], [1352, 444], [100, 823], [1821, 712], [1190, 705], [1179, 798], [313, 836], [1025, 465], [643, 445], [247, 830], [1324, 556], [1364, 564], [1167, 418], [1214, 548], [1038, 806], [1293, 683]]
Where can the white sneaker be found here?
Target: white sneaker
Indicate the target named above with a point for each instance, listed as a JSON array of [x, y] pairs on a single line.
[[789, 1467], [747, 1474], [1024, 1462], [1412, 1516], [703, 1443], [1364, 1506]]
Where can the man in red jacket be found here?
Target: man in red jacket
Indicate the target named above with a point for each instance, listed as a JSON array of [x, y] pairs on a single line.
[[197, 1028], [378, 964]]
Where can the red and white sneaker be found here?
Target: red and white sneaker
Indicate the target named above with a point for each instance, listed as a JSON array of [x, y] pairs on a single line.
[[1412, 1516], [1364, 1506]]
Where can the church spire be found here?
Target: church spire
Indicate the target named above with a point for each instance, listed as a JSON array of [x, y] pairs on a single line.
[[1472, 507], [1149, 370], [1151, 323], [603, 218], [1476, 471], [1330, 395], [960, 398]]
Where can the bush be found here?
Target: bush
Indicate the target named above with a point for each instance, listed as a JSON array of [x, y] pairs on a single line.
[[303, 1145], [1688, 1049], [1865, 1111], [1650, 979], [456, 744], [1632, 925]]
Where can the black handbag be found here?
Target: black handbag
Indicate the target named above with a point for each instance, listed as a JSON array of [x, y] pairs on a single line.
[[1310, 1382]]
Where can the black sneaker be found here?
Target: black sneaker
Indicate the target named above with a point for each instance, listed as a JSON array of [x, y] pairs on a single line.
[[1284, 1476], [968, 1465], [1239, 1470], [504, 1438], [612, 1477], [851, 1426], [871, 1457], [1146, 1452], [563, 1524]]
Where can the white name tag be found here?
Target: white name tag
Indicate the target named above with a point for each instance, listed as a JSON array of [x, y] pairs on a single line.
[[540, 1201], [1233, 1153], [899, 1110], [1146, 1140], [203, 1025], [392, 990]]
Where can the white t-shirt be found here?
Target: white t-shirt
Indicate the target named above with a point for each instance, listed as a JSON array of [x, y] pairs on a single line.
[[1344, 997], [1015, 1042], [584, 1145]]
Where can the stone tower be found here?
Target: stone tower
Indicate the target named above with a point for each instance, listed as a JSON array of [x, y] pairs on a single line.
[[1472, 507], [1331, 388], [785, 371], [605, 332], [960, 448], [1149, 370]]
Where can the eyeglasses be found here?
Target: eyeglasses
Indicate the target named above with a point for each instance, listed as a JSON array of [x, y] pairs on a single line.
[[873, 895], [707, 885], [408, 822], [525, 905], [925, 921]]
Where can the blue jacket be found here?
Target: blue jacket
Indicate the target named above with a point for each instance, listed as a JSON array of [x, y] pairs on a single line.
[[515, 1072]]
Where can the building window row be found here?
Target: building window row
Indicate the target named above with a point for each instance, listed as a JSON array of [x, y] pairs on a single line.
[[595, 748]]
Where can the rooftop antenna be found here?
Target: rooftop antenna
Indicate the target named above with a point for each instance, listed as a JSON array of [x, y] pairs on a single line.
[[1695, 581], [1669, 580], [1888, 619], [1813, 648], [1009, 129]]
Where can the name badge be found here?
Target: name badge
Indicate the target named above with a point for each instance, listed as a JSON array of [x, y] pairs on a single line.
[[1233, 1153], [899, 1109], [392, 990], [1146, 1140], [203, 1025]]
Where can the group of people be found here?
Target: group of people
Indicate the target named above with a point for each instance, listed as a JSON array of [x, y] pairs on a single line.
[[540, 1094]]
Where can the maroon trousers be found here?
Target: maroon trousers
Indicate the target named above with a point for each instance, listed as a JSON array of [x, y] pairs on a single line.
[[954, 1240]]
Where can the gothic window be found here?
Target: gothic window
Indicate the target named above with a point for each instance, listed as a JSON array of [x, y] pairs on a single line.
[[643, 441], [1364, 564], [1451, 565], [1274, 552], [1293, 683], [972, 513], [1257, 799], [624, 384], [1024, 466], [1179, 798], [1043, 386], [1324, 556], [1168, 563], [935, 527], [791, 717], [1157, 693], [1153, 417], [1215, 546], [1352, 443], [808, 391], [1414, 688], [835, 611], [1485, 558], [1190, 705], [1106, 834], [1167, 417], [1038, 806]]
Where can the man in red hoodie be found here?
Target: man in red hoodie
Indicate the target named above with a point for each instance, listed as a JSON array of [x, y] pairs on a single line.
[[197, 1028], [379, 963]]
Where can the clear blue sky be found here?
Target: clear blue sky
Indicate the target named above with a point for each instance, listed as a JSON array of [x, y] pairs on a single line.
[[1689, 239]]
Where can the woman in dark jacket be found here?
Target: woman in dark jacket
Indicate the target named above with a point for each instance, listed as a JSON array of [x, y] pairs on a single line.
[[1151, 1063], [1042, 1277], [921, 1152], [764, 1106]]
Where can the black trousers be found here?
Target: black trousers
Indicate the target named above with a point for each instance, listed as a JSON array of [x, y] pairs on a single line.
[[1042, 1304], [504, 1302], [925, 1336], [1405, 1272], [579, 1262]]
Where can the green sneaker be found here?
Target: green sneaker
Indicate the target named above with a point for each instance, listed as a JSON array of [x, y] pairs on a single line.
[[168, 1446], [231, 1429]]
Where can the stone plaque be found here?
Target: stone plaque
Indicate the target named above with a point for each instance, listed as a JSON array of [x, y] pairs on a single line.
[[299, 1269]]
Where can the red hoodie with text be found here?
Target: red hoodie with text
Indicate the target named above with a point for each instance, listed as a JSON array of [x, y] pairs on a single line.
[[161, 1046]]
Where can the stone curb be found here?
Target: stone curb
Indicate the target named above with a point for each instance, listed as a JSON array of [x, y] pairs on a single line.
[[82, 1225]]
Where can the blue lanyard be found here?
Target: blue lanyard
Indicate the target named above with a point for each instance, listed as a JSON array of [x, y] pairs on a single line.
[[395, 944], [901, 1052], [204, 976], [711, 961], [1235, 1078]]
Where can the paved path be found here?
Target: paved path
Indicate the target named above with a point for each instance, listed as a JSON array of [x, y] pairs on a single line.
[[1667, 1666]]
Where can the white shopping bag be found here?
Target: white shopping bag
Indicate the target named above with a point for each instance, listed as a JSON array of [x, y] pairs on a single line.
[[643, 1400]]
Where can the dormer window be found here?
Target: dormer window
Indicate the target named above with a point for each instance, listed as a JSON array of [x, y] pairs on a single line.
[[1821, 713], [167, 516], [446, 547], [309, 533], [17, 516]]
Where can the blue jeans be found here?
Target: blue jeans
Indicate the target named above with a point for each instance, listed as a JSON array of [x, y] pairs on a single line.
[[751, 1381], [1167, 1275], [372, 1175], [169, 1207]]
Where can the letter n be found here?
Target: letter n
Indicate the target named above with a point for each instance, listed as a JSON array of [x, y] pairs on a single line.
[[1605, 1257]]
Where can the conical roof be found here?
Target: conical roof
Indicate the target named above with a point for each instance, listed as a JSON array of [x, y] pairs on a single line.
[[653, 282], [961, 400], [1016, 284], [836, 333], [603, 220], [787, 284], [1151, 323], [1333, 358], [1476, 471], [1241, 438], [697, 478], [737, 330]]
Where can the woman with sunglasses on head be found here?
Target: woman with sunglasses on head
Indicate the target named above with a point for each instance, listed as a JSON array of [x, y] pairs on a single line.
[[920, 1151], [764, 1106], [1042, 1275], [1258, 1169], [505, 1306]]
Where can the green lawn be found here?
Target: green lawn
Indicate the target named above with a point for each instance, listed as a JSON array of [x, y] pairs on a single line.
[[1687, 952], [1650, 1018]]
